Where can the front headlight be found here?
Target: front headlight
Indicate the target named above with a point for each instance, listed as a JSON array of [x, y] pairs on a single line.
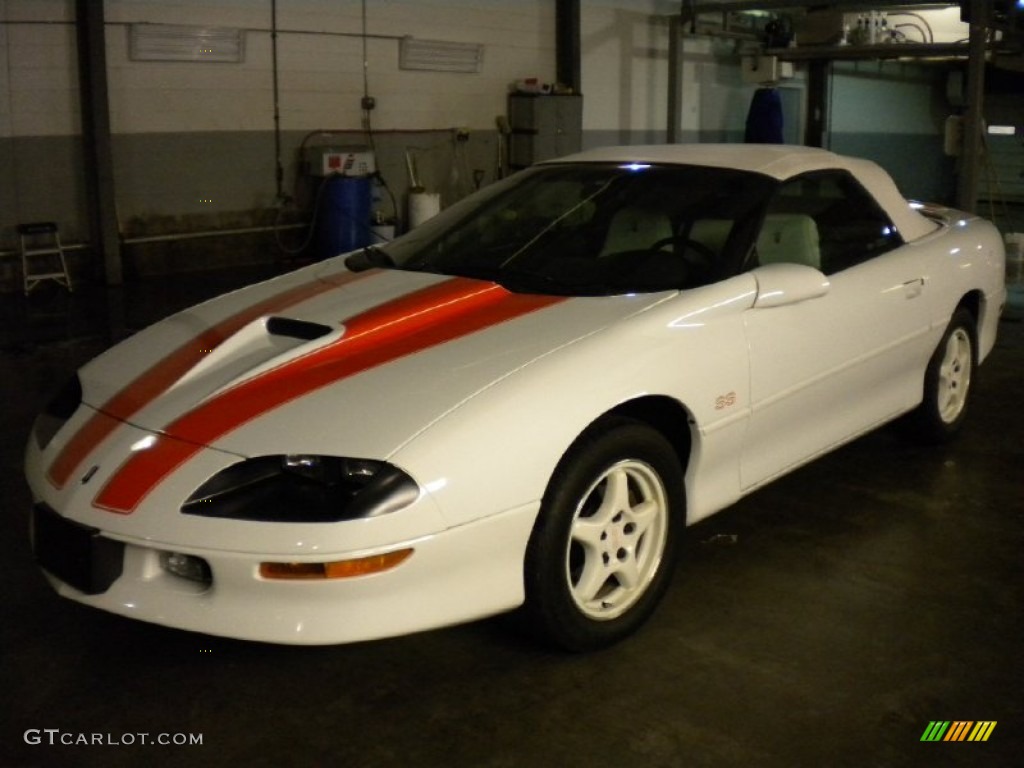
[[61, 408], [303, 489]]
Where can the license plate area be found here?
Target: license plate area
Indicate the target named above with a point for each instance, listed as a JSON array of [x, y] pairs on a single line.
[[76, 554]]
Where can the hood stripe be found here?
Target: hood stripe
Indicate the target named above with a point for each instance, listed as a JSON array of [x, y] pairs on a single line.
[[153, 382], [423, 319]]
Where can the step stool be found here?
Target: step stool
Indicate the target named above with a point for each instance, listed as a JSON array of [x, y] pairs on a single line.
[[38, 240]]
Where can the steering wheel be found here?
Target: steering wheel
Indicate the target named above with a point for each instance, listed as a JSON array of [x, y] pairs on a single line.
[[707, 254]]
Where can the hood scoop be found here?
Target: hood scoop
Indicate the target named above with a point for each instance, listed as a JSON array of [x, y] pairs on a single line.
[[265, 341], [296, 329]]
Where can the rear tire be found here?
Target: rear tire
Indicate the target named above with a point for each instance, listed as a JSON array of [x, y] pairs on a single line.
[[947, 381], [602, 551]]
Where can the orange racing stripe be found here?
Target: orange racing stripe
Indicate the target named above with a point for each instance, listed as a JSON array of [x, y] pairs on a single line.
[[418, 321], [152, 383]]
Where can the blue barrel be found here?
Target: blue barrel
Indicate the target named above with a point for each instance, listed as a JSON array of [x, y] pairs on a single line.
[[344, 218]]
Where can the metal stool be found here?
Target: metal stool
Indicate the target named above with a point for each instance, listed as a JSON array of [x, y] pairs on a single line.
[[41, 239]]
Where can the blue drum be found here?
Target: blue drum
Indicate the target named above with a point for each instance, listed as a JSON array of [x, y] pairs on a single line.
[[344, 221]]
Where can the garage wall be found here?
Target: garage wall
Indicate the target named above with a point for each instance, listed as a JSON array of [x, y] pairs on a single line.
[[625, 80], [894, 113], [625, 71], [40, 174], [193, 143], [321, 63]]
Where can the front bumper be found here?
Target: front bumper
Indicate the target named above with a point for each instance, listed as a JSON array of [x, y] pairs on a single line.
[[457, 575]]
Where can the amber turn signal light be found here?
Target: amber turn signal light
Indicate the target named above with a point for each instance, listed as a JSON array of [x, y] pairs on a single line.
[[339, 569]]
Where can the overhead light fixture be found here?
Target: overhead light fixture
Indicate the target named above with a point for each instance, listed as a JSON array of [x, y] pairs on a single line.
[[176, 42], [439, 55]]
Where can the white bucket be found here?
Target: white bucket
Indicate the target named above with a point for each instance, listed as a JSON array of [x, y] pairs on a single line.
[[422, 206]]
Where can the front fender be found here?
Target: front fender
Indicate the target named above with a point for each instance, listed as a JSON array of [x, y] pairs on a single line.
[[497, 451]]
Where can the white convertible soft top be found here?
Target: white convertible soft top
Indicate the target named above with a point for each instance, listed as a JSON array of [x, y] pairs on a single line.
[[779, 161]]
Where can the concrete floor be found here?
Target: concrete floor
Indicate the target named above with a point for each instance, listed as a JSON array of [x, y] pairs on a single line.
[[863, 596]]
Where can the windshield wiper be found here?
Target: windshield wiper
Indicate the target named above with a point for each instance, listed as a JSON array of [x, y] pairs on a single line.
[[370, 257]]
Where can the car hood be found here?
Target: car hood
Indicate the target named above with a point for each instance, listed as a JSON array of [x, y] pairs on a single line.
[[328, 360]]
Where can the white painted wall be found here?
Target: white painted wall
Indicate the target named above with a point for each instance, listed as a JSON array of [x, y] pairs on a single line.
[[625, 75], [38, 69], [624, 67], [625, 64], [321, 76], [196, 139]]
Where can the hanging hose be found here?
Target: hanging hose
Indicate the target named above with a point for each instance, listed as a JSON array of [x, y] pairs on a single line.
[[312, 225]]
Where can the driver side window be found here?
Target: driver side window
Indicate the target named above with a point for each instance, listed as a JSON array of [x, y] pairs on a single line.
[[826, 220]]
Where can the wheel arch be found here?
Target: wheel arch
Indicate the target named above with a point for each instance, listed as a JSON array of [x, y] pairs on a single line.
[[927, 423], [662, 413], [665, 415], [974, 302], [657, 429]]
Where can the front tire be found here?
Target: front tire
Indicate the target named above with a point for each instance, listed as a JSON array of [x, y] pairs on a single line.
[[948, 380], [603, 548]]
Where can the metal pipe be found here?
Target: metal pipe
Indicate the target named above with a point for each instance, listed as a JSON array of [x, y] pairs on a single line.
[[64, 247], [675, 80], [323, 33], [175, 236]]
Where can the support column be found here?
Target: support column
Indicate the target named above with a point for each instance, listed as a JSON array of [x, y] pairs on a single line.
[[819, 87], [98, 159], [568, 49], [970, 157]]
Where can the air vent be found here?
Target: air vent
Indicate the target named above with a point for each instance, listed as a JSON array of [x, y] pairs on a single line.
[[296, 329]]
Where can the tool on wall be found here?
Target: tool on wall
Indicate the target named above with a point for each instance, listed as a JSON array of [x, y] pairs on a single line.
[[458, 173], [504, 131]]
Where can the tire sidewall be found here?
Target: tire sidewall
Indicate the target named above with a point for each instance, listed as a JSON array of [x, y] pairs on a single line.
[[931, 425], [549, 601]]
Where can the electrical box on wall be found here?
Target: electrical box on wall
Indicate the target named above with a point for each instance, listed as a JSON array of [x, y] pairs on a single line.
[[344, 161], [763, 70]]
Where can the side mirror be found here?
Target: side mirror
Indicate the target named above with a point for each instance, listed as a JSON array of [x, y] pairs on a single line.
[[782, 284]]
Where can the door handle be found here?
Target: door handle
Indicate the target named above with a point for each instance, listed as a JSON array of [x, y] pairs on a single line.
[[912, 288]]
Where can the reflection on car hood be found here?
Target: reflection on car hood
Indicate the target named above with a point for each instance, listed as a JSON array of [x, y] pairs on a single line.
[[366, 339]]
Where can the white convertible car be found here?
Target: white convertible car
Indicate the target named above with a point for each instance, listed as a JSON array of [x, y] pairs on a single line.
[[521, 403]]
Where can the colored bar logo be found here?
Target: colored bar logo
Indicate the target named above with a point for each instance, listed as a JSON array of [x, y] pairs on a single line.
[[958, 730]]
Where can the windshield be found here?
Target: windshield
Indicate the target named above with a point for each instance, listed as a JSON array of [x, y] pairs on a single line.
[[593, 229]]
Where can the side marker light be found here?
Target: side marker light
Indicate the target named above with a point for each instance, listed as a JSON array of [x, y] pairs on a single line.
[[339, 569]]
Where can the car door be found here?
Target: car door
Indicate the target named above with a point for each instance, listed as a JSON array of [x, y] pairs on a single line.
[[828, 368]]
